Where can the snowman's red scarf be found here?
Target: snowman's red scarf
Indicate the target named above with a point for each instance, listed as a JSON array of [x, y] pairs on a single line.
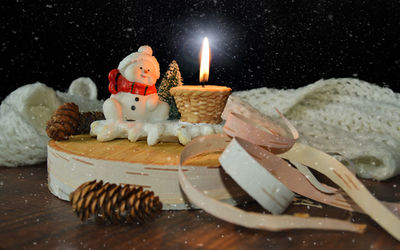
[[118, 83]]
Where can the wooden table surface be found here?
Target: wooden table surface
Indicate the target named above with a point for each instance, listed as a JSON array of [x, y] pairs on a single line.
[[31, 217]]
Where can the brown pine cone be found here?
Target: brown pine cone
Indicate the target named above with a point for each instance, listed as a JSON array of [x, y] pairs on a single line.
[[63, 122], [114, 203], [85, 119]]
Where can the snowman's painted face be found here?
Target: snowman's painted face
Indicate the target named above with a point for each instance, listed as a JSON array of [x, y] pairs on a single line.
[[141, 71]]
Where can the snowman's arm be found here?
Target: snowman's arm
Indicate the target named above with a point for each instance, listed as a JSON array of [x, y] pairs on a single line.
[[152, 102], [118, 108]]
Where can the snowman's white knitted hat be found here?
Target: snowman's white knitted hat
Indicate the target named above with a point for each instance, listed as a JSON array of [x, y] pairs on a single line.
[[144, 53]]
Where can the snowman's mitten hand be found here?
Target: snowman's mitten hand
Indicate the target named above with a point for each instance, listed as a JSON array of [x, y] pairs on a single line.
[[152, 103], [112, 109], [118, 109]]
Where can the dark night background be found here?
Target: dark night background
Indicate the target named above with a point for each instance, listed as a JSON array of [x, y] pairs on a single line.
[[272, 43]]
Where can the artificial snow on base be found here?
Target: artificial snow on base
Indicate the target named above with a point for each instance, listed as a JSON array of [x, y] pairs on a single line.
[[166, 131]]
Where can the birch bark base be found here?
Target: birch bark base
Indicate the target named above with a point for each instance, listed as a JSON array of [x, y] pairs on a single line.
[[82, 158]]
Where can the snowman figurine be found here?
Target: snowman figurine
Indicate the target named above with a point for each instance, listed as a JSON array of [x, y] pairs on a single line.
[[133, 92]]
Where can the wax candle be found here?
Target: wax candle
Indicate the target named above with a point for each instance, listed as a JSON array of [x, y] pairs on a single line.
[[201, 103]]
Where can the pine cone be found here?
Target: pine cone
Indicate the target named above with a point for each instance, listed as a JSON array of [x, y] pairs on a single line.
[[114, 203], [85, 119], [63, 122]]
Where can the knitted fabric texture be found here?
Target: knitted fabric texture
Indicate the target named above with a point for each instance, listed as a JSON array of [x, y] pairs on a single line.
[[23, 117], [357, 119]]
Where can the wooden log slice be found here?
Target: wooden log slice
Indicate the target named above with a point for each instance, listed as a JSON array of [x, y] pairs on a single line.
[[83, 158]]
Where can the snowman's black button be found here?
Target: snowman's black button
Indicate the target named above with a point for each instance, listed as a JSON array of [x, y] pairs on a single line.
[[133, 107], [137, 99]]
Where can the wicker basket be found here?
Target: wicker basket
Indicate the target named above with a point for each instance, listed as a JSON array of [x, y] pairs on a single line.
[[198, 104]]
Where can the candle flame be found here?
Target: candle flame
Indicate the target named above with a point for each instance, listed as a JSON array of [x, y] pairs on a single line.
[[205, 61]]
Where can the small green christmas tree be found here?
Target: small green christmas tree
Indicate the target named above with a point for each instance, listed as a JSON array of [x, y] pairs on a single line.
[[171, 78]]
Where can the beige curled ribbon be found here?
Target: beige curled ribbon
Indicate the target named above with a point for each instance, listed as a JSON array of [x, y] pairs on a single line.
[[255, 135], [254, 127], [215, 143], [340, 175], [260, 132], [239, 126]]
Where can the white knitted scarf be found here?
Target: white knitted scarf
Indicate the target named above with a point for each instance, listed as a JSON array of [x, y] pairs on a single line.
[[359, 120], [23, 117]]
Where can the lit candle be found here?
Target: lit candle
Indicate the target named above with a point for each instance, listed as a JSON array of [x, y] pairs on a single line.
[[201, 103], [204, 61]]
